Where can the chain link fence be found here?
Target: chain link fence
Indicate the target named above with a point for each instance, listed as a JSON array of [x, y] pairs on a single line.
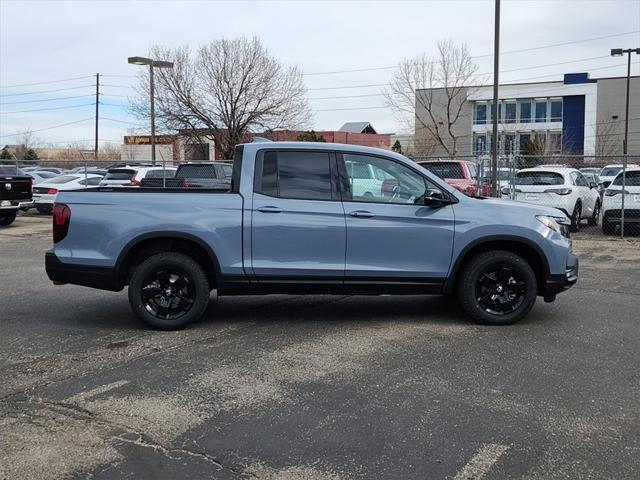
[[604, 192], [598, 195]]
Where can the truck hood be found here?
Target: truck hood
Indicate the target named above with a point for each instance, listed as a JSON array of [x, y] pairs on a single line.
[[525, 208]]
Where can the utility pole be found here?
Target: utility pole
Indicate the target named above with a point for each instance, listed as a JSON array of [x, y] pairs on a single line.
[[95, 146], [617, 52], [494, 107]]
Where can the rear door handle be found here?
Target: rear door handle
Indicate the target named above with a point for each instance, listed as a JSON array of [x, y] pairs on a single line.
[[361, 214], [270, 209]]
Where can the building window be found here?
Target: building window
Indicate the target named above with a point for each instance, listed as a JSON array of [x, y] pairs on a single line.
[[481, 114], [525, 110], [541, 111], [479, 144], [510, 112], [525, 140], [509, 143], [556, 110], [555, 142]]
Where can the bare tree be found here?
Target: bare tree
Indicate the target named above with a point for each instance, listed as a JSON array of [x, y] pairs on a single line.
[[224, 91], [429, 94]]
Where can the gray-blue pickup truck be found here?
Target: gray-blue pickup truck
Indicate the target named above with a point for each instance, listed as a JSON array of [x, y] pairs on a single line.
[[304, 218]]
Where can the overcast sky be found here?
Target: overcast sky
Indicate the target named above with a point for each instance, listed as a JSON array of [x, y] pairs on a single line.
[[43, 41]]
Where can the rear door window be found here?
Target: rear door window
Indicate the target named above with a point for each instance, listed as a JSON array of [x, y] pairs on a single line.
[[449, 170], [295, 175], [119, 174], [539, 178]]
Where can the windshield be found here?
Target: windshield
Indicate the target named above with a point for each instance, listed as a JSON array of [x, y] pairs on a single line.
[[196, 171], [632, 180], [444, 169], [610, 171], [504, 175], [539, 178], [63, 179]]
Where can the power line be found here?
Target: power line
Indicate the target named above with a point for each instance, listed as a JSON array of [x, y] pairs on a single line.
[[43, 91], [47, 99], [49, 128], [46, 109], [45, 83], [390, 67]]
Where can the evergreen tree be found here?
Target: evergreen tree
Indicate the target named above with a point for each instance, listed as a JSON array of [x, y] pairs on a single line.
[[4, 154], [30, 154], [310, 136], [397, 147]]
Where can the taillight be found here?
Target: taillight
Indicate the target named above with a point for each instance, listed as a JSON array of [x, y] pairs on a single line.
[[134, 182], [613, 193], [52, 191], [61, 219], [559, 191], [30, 185], [184, 184]]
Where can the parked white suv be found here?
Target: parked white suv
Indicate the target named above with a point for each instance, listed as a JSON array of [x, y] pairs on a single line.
[[612, 202], [563, 188], [609, 172], [132, 176]]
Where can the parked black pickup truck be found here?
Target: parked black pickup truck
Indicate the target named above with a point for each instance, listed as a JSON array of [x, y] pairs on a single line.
[[216, 175], [15, 193]]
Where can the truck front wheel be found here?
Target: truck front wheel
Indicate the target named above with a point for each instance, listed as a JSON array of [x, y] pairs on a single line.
[[7, 217], [168, 291], [497, 288]]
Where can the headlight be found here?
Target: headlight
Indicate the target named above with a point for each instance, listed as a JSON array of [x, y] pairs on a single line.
[[554, 223]]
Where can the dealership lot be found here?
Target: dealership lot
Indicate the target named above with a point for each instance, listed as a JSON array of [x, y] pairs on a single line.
[[323, 387]]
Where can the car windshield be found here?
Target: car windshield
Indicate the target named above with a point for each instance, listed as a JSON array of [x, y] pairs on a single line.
[[632, 180], [124, 174], [539, 178], [45, 174], [196, 171], [444, 169], [63, 179], [610, 171], [504, 175]]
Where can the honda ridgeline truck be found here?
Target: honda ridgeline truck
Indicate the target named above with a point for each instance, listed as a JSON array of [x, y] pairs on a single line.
[[291, 223]]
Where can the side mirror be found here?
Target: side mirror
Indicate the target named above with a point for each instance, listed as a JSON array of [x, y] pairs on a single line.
[[593, 185], [434, 198]]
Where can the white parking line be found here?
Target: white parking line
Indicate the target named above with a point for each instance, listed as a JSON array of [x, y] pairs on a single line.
[[481, 462], [97, 391]]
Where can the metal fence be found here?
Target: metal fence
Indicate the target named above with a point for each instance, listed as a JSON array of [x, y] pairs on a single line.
[[602, 196], [602, 202]]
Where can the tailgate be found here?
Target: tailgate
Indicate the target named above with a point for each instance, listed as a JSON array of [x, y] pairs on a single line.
[[15, 188]]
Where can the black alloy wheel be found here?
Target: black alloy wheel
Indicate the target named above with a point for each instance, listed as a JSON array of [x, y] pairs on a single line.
[[169, 291], [500, 290], [167, 294], [497, 287], [576, 218]]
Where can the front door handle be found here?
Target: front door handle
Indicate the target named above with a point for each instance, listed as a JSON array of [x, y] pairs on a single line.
[[270, 209], [361, 214]]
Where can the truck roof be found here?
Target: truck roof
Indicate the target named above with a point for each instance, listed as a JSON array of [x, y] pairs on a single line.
[[344, 147]]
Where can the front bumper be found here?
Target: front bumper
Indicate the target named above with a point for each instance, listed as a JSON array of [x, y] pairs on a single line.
[[104, 278], [16, 204], [555, 284]]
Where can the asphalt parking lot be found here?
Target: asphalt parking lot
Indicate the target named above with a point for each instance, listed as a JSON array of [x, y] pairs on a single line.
[[321, 387]]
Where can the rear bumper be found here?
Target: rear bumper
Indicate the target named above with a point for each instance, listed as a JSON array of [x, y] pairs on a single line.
[[555, 284], [103, 278], [16, 204]]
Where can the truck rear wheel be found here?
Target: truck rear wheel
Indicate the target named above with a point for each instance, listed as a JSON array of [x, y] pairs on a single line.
[[497, 288], [168, 291], [7, 217]]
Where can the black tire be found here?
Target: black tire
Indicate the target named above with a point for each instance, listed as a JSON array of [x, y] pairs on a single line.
[[7, 217], [497, 288], [593, 220], [44, 209], [157, 302], [608, 228], [576, 218]]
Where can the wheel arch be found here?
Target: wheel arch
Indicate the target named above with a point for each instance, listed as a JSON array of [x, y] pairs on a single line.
[[527, 249], [148, 244]]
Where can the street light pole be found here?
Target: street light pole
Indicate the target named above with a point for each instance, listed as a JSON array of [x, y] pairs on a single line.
[[618, 52], [153, 116], [152, 64], [494, 107]]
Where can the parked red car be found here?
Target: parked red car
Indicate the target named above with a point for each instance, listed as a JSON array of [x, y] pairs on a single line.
[[460, 174]]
